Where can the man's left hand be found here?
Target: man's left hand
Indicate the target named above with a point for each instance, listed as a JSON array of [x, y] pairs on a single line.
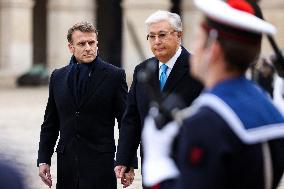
[[128, 178]]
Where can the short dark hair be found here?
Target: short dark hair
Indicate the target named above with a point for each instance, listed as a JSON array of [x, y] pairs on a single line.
[[238, 55], [83, 27]]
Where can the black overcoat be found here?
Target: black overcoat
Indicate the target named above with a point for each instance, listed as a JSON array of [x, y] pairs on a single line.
[[179, 82], [86, 147]]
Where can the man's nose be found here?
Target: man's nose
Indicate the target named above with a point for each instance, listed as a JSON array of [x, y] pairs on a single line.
[[157, 39], [87, 47]]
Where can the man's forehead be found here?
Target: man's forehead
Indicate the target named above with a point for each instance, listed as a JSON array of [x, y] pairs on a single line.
[[81, 37], [79, 34], [160, 31], [163, 25]]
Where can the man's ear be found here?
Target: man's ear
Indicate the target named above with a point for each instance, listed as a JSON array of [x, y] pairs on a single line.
[[217, 51], [71, 48], [208, 53]]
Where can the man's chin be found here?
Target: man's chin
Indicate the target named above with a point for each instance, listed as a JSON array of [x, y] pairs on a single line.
[[162, 57], [159, 54]]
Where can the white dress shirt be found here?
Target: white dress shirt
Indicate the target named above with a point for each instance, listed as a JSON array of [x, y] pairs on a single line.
[[170, 63]]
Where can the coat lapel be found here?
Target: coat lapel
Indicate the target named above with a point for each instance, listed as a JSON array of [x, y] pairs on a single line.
[[98, 74], [180, 70], [156, 79], [70, 79]]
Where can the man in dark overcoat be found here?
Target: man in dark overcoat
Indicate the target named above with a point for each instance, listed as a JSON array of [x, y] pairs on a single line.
[[85, 97], [171, 76]]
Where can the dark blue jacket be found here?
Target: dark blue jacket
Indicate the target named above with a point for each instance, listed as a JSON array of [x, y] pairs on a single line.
[[221, 145]]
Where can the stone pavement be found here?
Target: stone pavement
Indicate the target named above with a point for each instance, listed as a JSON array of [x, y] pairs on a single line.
[[21, 114]]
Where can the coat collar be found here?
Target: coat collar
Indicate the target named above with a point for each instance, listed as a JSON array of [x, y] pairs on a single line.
[[180, 70], [97, 75]]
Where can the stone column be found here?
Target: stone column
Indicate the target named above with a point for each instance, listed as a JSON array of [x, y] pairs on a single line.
[[62, 14], [15, 36], [135, 45], [273, 11], [191, 18]]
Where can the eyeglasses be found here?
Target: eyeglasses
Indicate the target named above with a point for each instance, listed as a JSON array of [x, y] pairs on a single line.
[[161, 36]]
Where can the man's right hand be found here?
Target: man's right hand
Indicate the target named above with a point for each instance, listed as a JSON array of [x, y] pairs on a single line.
[[44, 173], [126, 178]]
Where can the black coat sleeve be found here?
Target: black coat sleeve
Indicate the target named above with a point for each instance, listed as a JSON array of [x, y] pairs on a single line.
[[120, 104], [130, 131], [49, 128], [120, 97]]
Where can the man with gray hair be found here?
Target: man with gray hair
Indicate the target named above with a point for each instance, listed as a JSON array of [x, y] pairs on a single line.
[[164, 33], [85, 97]]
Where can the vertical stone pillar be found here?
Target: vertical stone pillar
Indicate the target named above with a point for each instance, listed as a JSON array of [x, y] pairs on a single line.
[[62, 14], [109, 24], [15, 36], [191, 18], [135, 45], [273, 13]]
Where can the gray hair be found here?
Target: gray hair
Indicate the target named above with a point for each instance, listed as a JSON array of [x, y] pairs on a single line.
[[161, 15], [82, 27]]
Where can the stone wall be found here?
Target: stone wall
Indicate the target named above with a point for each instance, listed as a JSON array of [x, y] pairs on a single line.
[[16, 29], [15, 36], [62, 15]]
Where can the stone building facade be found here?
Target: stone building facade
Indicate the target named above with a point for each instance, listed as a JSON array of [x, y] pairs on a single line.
[[18, 19]]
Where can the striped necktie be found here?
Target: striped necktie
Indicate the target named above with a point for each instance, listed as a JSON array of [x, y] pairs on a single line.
[[163, 76]]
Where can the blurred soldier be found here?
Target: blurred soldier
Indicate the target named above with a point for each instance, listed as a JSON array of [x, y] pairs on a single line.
[[233, 136]]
